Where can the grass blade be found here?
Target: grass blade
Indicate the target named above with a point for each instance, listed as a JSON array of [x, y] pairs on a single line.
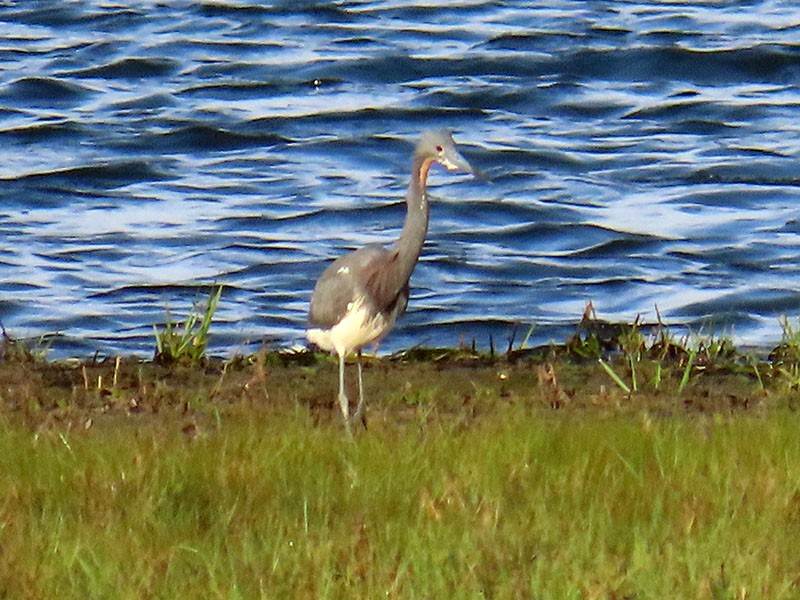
[[614, 376], [687, 371]]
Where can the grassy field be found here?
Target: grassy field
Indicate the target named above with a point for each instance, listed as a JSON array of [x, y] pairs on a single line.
[[660, 472], [473, 480]]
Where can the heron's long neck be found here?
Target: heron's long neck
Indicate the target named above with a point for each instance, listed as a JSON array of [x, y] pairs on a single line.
[[415, 227]]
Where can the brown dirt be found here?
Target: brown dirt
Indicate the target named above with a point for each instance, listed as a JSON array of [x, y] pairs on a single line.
[[457, 383]]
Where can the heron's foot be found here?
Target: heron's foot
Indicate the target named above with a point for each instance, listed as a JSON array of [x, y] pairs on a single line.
[[360, 415], [344, 408], [355, 420]]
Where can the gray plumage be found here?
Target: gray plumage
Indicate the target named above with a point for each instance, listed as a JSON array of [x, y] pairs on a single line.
[[366, 272], [358, 298]]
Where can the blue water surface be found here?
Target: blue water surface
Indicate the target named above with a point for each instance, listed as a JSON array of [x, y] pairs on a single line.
[[639, 155]]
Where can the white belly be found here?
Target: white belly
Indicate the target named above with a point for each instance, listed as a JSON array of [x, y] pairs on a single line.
[[357, 329]]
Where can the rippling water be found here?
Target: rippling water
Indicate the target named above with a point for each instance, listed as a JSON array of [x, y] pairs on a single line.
[[639, 154]]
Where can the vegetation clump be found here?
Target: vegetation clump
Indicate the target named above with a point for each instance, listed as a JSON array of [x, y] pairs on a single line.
[[22, 351], [186, 343]]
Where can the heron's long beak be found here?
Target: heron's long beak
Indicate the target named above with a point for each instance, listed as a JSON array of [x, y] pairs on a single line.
[[453, 161]]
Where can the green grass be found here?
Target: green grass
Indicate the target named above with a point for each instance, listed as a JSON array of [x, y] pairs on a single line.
[[479, 477], [522, 504], [187, 342]]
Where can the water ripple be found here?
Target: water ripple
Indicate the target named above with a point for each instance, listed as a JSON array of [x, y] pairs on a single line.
[[636, 154]]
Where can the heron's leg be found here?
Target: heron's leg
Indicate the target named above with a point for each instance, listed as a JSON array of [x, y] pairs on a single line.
[[344, 404], [360, 414]]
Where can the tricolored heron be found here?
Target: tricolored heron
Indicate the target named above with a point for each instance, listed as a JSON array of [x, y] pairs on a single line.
[[360, 295]]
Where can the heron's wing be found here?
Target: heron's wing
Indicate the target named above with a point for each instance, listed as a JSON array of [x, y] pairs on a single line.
[[368, 274]]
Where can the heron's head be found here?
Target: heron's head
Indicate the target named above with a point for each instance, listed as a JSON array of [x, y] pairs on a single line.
[[438, 145]]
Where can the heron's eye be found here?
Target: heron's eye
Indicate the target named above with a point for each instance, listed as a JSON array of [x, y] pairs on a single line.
[[439, 148]]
